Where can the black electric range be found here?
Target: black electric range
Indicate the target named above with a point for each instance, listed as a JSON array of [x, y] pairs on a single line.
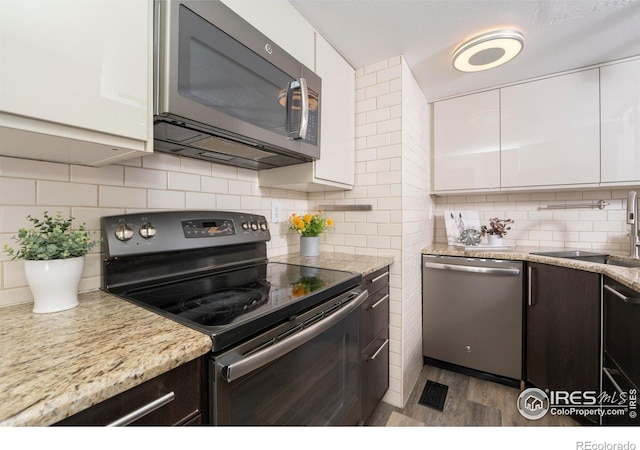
[[208, 270]]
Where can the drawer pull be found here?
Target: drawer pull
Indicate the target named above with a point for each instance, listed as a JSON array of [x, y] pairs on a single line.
[[375, 355], [376, 304], [143, 410], [379, 277], [624, 298]]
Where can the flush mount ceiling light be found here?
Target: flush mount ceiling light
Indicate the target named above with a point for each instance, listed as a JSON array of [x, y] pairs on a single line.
[[488, 50]]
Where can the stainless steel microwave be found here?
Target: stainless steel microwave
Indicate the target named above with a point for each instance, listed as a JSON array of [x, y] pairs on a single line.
[[223, 92]]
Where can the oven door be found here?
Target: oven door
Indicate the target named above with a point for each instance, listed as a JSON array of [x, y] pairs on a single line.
[[305, 372]]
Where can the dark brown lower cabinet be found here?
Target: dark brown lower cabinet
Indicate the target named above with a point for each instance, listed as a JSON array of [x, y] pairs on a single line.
[[179, 396], [563, 329], [374, 340]]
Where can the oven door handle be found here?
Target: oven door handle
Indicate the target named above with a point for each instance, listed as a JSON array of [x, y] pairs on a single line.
[[234, 366]]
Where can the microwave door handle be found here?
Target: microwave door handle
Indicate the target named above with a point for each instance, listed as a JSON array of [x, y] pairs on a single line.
[[304, 121], [301, 132]]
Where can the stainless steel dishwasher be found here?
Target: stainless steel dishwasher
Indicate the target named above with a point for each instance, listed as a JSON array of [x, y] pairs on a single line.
[[472, 315]]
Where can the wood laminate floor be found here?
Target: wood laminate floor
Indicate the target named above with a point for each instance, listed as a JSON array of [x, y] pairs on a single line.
[[470, 402]]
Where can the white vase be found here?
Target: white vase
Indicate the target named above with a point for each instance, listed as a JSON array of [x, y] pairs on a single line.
[[310, 246], [54, 283], [494, 240]]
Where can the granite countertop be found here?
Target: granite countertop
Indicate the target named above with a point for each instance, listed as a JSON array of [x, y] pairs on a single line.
[[629, 276], [363, 264], [57, 364]]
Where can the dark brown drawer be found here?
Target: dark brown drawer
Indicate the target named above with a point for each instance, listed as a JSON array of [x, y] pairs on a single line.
[[376, 280], [179, 392], [375, 373], [374, 316]]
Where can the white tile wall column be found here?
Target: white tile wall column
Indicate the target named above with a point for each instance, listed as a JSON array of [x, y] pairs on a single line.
[[392, 175]]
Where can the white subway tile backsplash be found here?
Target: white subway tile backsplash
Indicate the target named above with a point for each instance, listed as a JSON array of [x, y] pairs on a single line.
[[15, 191], [145, 178], [229, 202], [72, 194], [217, 185], [200, 200], [166, 199], [112, 175], [195, 166], [26, 168], [118, 197], [161, 161], [183, 181]]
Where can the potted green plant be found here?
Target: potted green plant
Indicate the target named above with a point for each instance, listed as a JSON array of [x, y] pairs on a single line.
[[496, 230], [53, 253]]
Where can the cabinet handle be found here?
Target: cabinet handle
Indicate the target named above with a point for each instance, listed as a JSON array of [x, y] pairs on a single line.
[[379, 301], [607, 372], [530, 286], [375, 355], [379, 277], [143, 410], [621, 296]]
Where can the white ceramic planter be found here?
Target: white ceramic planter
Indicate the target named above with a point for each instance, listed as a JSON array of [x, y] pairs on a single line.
[[310, 246], [494, 240], [54, 283]]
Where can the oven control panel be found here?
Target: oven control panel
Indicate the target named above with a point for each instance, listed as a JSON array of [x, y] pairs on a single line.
[[208, 228], [162, 231]]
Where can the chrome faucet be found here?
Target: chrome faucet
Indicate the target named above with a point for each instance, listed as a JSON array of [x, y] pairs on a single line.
[[632, 219]]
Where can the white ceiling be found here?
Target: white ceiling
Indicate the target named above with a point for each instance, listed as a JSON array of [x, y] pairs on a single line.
[[560, 35]]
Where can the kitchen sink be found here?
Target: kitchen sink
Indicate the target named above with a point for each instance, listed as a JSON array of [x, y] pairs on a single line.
[[623, 262], [582, 255], [576, 254]]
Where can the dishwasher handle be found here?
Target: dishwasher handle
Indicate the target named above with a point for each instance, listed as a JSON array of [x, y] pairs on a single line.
[[474, 269]]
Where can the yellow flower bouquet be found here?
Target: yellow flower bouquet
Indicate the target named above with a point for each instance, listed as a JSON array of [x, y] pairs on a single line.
[[309, 225]]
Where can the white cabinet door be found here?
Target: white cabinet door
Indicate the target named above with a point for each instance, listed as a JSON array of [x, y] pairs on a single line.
[[550, 132], [77, 70], [337, 138], [467, 143], [620, 122]]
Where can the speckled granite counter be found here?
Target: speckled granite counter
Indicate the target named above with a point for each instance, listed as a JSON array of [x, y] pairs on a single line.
[[626, 275], [54, 365], [338, 261]]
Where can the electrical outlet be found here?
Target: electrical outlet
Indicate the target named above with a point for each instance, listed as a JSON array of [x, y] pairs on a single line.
[[276, 212]]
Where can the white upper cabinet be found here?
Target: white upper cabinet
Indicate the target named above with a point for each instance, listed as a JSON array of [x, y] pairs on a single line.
[[75, 80], [550, 132], [467, 143], [620, 119]]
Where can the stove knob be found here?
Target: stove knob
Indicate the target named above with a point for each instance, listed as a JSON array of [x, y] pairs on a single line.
[[245, 226], [263, 226], [147, 231], [254, 226], [124, 232]]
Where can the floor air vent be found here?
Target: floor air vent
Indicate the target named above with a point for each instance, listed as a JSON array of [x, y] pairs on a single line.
[[434, 395]]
